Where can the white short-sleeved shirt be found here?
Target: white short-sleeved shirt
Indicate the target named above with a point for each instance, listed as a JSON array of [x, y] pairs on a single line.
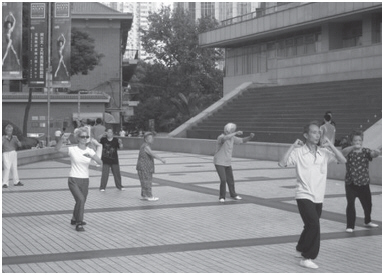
[[311, 172], [80, 163], [223, 155]]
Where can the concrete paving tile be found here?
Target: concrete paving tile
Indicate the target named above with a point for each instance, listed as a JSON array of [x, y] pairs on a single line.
[[182, 216]]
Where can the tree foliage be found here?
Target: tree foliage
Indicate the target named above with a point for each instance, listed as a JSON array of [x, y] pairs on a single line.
[[83, 58], [180, 75]]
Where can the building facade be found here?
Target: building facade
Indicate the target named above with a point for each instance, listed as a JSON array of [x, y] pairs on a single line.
[[293, 43], [101, 89], [140, 12]]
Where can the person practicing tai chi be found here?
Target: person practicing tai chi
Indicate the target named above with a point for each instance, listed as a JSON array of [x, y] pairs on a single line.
[[223, 158], [357, 179], [80, 157], [110, 145], [311, 164], [9, 28], [145, 166], [10, 144], [61, 41]]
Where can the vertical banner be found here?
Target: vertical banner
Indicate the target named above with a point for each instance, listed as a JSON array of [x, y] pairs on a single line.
[[38, 46], [12, 40], [61, 40]]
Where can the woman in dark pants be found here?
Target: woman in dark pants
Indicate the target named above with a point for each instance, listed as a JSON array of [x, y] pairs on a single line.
[[223, 157], [110, 145], [80, 157]]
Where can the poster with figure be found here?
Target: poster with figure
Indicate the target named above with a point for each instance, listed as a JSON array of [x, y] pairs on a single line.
[[38, 45], [61, 40], [12, 40]]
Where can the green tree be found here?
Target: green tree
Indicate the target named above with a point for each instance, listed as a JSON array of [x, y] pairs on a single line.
[[182, 74]]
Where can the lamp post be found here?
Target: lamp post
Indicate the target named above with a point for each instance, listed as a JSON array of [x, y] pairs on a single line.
[[49, 74]]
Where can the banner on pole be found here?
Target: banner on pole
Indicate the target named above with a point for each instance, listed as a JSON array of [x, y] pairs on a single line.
[[12, 40], [61, 41], [38, 37]]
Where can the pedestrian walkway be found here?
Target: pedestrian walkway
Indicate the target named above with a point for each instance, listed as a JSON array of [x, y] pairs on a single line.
[[187, 230]]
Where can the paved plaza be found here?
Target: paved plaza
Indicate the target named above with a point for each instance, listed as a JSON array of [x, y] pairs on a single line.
[[187, 230]]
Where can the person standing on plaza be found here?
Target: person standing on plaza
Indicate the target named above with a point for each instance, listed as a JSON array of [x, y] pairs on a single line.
[[145, 166], [98, 130], [311, 164], [328, 130], [357, 180], [110, 145], [9, 147], [80, 157], [223, 158]]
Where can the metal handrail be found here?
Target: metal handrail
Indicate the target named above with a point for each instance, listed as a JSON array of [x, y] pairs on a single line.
[[255, 14]]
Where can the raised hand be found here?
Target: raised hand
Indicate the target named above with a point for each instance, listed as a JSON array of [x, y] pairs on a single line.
[[239, 133], [87, 155], [252, 135], [298, 143]]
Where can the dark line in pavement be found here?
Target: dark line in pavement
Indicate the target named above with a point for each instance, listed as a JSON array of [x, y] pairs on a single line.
[[150, 206], [173, 248], [66, 189], [249, 180], [327, 196]]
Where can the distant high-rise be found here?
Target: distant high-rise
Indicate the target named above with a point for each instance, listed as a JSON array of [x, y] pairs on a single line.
[[219, 10], [140, 11]]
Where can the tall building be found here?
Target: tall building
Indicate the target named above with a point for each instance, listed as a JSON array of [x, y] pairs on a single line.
[[219, 10], [140, 11]]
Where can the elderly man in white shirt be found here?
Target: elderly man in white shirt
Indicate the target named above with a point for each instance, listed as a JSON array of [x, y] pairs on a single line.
[[311, 164]]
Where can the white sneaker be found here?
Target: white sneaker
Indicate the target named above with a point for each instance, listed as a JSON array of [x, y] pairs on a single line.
[[298, 254], [102, 190], [349, 230], [152, 199], [222, 200], [237, 198], [372, 225], [122, 189], [308, 263]]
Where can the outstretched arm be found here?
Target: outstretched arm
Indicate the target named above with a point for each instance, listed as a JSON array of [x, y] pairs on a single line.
[[248, 138], [151, 153], [339, 156], [375, 153], [227, 137]]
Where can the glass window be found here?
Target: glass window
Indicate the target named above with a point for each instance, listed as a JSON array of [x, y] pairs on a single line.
[[207, 9], [192, 9], [351, 34]]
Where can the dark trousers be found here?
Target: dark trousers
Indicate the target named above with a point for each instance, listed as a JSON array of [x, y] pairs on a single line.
[[105, 175], [79, 189], [226, 176], [309, 242], [364, 195]]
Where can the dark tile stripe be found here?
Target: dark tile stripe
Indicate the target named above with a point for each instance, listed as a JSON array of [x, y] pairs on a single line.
[[150, 206], [173, 248]]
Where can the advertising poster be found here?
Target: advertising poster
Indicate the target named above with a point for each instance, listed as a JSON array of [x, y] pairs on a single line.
[[12, 40], [38, 45], [61, 40]]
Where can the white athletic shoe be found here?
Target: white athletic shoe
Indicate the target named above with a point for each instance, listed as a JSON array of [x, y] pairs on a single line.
[[372, 225], [237, 198], [308, 263], [102, 190], [349, 230], [152, 199], [222, 200]]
